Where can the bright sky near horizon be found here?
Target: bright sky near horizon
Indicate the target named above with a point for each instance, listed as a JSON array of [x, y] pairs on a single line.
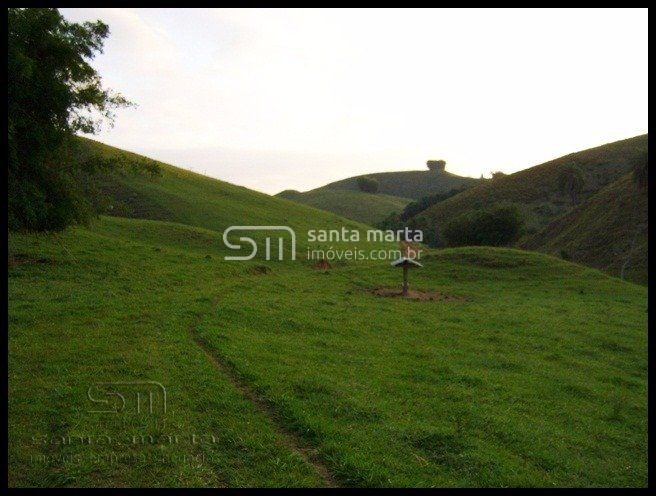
[[293, 99]]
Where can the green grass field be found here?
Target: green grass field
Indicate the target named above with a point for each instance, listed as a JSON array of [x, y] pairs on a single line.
[[355, 205], [533, 373]]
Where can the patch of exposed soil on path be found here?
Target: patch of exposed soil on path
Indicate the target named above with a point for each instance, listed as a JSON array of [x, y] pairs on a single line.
[[415, 294], [20, 259], [322, 265]]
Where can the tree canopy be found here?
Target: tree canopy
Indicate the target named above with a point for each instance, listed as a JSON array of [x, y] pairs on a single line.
[[498, 225], [53, 92], [368, 184], [436, 165], [571, 181]]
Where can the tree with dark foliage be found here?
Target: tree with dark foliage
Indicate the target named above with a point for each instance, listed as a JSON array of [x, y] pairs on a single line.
[[498, 225], [640, 172], [571, 181], [53, 92], [418, 206], [436, 165], [368, 184]]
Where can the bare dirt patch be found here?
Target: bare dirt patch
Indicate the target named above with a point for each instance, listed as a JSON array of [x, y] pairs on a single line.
[[20, 259], [322, 265], [259, 270], [415, 294]]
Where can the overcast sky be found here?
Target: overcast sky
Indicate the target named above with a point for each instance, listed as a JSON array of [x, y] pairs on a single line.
[[278, 99]]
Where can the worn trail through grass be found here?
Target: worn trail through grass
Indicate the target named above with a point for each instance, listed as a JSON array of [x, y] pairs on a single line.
[[309, 454]]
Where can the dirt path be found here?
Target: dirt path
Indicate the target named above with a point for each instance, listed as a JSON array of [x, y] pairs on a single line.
[[290, 439]]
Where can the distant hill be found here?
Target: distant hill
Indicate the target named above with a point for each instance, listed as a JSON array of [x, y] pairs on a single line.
[[596, 228], [608, 232], [356, 205], [596, 232], [408, 184], [395, 191], [537, 189]]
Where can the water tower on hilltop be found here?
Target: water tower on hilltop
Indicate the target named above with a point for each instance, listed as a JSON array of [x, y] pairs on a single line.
[[436, 165]]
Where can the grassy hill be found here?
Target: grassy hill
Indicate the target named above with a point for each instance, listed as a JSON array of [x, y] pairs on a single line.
[[396, 190], [536, 189], [533, 372], [356, 205], [608, 231], [408, 184], [194, 199]]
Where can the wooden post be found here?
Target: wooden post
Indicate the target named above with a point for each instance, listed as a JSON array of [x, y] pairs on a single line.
[[406, 263], [405, 280]]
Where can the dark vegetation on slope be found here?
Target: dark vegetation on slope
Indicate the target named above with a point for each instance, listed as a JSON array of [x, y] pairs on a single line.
[[555, 206], [608, 231], [589, 206], [498, 225], [53, 92], [368, 184], [541, 191], [409, 216], [418, 206]]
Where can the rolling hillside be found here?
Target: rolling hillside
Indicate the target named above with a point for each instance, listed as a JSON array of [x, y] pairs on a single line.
[[396, 190], [527, 370], [408, 184], [356, 205], [608, 231], [599, 227], [536, 189], [193, 199]]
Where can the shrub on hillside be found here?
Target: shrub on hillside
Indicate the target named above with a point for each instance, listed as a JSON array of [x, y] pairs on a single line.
[[429, 229], [571, 181], [410, 217], [640, 172], [368, 184], [436, 165], [498, 225], [392, 222]]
